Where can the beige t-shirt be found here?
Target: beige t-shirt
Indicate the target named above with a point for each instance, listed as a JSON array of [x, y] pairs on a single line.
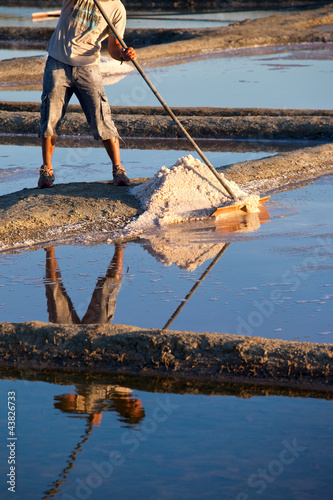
[[81, 29]]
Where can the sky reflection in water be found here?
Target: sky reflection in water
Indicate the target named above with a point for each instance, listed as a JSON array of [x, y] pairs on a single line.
[[125, 439]]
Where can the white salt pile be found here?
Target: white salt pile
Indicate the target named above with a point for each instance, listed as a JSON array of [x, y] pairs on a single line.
[[186, 191]]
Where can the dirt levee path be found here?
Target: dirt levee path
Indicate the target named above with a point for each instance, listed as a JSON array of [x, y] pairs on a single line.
[[311, 26], [33, 216], [150, 352], [201, 123], [280, 171]]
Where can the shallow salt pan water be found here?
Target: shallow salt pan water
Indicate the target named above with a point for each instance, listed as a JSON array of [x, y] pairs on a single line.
[[11, 53], [292, 79], [83, 439], [299, 78], [274, 280], [22, 16], [19, 164]]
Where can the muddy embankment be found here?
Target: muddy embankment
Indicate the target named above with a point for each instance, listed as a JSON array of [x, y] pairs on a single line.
[[128, 350], [201, 123], [34, 216]]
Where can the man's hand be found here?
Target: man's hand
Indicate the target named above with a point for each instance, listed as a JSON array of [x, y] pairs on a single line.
[[128, 54], [117, 52]]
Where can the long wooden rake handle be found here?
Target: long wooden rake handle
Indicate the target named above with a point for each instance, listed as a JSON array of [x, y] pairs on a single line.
[[164, 104], [42, 15]]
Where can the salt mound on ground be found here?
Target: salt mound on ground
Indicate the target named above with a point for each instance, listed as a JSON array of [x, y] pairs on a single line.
[[186, 191]]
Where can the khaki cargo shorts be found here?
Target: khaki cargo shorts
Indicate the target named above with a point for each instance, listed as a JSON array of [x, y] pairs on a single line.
[[60, 82]]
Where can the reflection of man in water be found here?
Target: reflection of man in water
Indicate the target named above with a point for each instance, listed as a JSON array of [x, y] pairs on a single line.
[[103, 301], [93, 400]]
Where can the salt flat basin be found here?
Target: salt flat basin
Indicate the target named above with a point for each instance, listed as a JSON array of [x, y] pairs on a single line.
[[22, 16], [272, 281], [258, 78]]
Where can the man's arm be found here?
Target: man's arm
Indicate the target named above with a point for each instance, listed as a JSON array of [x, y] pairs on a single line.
[[117, 52]]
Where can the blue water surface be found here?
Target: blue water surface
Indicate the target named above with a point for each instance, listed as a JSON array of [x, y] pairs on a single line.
[[179, 446]]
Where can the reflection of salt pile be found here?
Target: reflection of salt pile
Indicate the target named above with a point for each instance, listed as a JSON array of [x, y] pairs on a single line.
[[186, 191], [190, 245], [175, 249]]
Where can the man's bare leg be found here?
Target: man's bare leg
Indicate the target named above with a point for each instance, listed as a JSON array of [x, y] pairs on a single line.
[[48, 145], [119, 173], [46, 177], [112, 149]]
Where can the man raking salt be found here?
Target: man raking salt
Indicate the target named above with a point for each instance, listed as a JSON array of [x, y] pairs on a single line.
[[72, 67]]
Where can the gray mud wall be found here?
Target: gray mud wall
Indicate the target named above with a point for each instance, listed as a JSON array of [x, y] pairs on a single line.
[[130, 350], [201, 123], [79, 207]]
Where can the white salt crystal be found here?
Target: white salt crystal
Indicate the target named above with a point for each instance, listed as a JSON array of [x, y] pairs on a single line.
[[186, 191]]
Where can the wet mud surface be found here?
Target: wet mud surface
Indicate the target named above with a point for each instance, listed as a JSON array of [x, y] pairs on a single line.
[[204, 123], [35, 216], [133, 351], [130, 350], [73, 208]]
